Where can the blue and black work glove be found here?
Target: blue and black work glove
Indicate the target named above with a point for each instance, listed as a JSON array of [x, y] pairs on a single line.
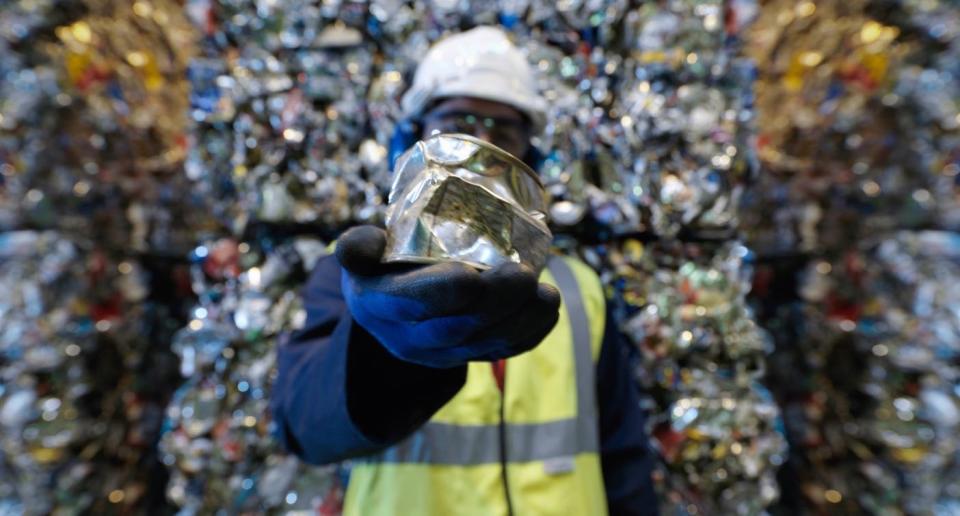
[[446, 314]]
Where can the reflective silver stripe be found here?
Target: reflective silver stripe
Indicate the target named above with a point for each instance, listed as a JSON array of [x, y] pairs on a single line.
[[580, 328], [583, 352], [443, 443], [465, 445]]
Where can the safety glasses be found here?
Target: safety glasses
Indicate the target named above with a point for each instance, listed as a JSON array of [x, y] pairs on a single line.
[[510, 134]]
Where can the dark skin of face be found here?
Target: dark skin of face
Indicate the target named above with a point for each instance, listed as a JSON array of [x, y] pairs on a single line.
[[494, 122]]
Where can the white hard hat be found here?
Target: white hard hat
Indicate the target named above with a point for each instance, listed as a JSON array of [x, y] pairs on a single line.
[[481, 63]]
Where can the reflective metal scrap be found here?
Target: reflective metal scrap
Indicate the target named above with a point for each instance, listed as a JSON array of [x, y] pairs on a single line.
[[457, 198]]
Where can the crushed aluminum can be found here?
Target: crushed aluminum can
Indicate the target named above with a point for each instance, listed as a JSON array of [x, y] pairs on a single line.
[[458, 198]]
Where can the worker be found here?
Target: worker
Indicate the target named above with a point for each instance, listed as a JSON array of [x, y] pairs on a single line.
[[454, 391]]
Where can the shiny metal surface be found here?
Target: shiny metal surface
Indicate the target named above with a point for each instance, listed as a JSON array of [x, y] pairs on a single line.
[[458, 198]]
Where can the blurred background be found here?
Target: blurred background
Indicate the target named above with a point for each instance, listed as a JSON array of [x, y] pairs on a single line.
[[768, 189]]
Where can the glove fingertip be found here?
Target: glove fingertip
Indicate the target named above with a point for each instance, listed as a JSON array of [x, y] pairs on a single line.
[[549, 295], [510, 281], [360, 249]]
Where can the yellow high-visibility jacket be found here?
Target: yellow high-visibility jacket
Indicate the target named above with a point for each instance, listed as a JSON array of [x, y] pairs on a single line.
[[531, 449]]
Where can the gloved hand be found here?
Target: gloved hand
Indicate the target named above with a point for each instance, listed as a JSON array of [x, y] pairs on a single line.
[[446, 314]]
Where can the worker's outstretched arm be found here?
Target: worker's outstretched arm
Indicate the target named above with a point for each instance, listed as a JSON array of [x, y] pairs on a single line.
[[385, 346], [339, 393]]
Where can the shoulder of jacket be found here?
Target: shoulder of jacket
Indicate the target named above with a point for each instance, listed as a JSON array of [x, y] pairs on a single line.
[[587, 279], [594, 301]]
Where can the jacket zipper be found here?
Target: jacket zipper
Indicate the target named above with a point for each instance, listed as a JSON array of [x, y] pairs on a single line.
[[503, 449]]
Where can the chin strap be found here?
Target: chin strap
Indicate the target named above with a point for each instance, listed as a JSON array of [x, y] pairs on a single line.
[[535, 158], [405, 134]]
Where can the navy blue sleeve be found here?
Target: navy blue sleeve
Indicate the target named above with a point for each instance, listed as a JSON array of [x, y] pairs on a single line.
[[338, 393], [625, 455]]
